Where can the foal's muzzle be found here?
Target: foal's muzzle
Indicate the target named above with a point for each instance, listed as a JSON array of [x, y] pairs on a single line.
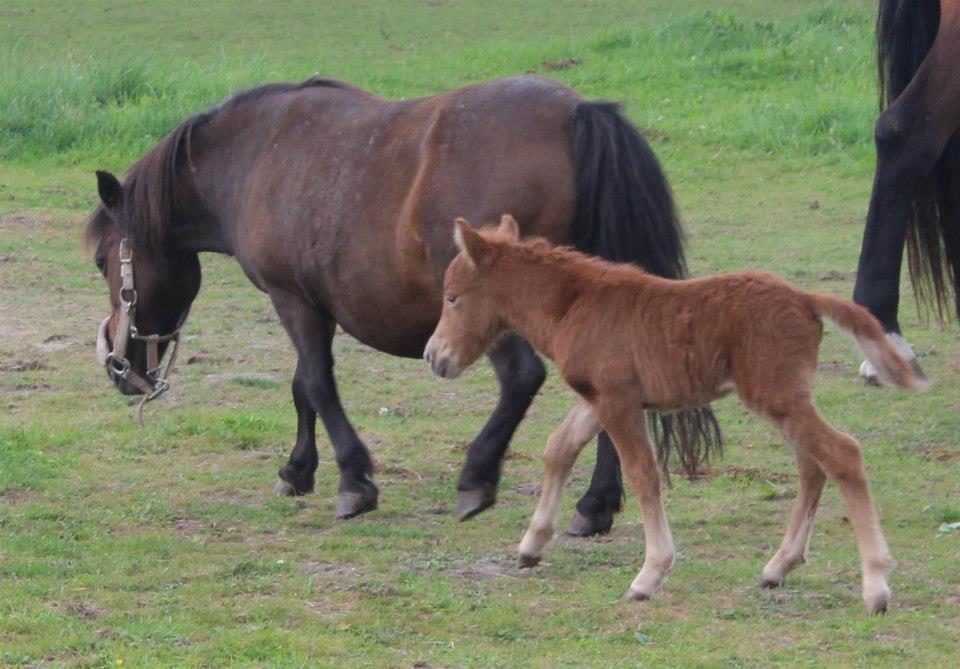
[[441, 359]]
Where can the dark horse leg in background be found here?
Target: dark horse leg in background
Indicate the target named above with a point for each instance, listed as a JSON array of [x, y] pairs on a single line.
[[917, 161], [315, 392]]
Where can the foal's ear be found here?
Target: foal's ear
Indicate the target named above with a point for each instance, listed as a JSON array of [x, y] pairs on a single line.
[[109, 188], [470, 242], [509, 227]]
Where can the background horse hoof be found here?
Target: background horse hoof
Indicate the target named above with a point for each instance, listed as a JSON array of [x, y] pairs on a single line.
[[869, 373], [770, 583], [300, 482], [529, 561], [588, 526], [284, 489], [353, 504], [472, 502]]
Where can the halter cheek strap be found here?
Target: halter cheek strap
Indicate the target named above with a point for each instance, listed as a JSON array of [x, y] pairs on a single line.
[[116, 361]]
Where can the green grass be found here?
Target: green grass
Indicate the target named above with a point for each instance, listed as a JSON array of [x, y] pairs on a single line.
[[164, 546]]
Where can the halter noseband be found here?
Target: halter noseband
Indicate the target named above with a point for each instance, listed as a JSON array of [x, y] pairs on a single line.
[[116, 360]]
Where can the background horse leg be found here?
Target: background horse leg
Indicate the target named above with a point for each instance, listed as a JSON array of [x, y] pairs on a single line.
[[520, 373], [916, 181], [315, 388]]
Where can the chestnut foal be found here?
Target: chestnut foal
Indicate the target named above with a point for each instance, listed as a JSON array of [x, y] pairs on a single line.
[[627, 341]]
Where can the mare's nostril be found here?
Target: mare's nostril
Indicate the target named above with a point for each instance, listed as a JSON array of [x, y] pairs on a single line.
[[442, 368]]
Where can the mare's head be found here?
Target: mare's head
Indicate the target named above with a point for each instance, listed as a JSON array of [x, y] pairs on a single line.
[[470, 320], [150, 283]]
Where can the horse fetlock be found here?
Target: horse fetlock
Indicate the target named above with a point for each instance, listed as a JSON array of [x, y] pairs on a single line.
[[294, 481]]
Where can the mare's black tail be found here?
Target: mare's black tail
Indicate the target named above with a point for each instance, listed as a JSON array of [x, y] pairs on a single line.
[[625, 213]]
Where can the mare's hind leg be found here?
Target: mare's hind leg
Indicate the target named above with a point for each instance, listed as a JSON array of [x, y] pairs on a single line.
[[627, 427], [520, 373], [796, 540], [315, 392], [563, 447], [594, 512], [839, 456]]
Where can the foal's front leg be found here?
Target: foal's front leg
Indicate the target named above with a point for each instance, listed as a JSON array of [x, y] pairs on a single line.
[[625, 422], [563, 447]]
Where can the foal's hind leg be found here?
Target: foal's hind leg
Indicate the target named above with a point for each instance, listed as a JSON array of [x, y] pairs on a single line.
[[839, 456], [563, 447], [793, 549]]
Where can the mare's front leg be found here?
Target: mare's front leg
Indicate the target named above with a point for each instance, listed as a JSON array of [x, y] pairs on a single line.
[[624, 420], [520, 373], [315, 392]]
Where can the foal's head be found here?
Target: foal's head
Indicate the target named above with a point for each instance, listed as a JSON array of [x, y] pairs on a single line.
[[470, 321], [162, 282]]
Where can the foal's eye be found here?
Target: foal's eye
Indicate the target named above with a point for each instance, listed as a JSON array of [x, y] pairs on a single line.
[[101, 263], [452, 299]]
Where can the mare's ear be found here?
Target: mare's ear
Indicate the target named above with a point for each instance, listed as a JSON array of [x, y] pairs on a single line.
[[470, 242], [509, 227], [109, 188]]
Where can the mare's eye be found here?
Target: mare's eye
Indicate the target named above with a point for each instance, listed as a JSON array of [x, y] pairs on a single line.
[[452, 299], [101, 263]]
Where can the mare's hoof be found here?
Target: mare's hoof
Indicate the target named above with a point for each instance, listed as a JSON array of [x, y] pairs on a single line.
[[588, 526], [770, 583], [472, 502], [284, 489], [353, 504], [297, 482], [529, 561], [632, 595]]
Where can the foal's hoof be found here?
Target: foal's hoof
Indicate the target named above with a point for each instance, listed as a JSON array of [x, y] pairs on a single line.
[[353, 504], [878, 603], [588, 526], [529, 561], [770, 583], [297, 482], [632, 595], [284, 489], [472, 502]]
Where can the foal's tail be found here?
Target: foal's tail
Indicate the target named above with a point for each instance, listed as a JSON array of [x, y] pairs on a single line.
[[892, 368], [625, 213]]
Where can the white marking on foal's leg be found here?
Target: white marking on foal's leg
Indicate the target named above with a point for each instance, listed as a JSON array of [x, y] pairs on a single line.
[[563, 447], [869, 372]]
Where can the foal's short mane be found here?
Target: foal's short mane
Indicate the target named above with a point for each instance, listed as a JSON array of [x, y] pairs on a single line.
[[571, 260], [148, 203]]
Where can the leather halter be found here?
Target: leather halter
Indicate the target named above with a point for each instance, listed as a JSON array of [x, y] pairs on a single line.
[[116, 360]]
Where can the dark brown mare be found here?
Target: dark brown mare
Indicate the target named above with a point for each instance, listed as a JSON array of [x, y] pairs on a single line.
[[916, 189], [337, 204], [627, 341]]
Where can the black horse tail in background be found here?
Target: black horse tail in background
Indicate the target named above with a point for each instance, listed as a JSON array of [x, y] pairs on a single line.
[[625, 213], [905, 33]]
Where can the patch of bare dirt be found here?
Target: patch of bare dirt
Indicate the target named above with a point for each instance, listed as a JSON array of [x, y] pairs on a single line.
[[25, 366], [79, 610], [485, 571], [560, 65], [735, 471], [939, 453], [56, 342], [527, 489], [13, 496], [331, 570], [26, 389]]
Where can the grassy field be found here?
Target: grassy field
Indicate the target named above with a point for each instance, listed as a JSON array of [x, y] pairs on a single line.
[[122, 546]]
